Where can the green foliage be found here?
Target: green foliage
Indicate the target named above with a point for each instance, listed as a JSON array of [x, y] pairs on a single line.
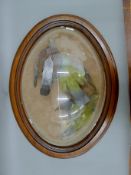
[[73, 82], [86, 114]]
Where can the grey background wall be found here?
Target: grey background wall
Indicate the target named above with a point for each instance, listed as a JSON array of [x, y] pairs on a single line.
[[17, 155]]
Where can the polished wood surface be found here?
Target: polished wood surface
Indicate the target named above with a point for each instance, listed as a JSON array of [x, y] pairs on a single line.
[[127, 19], [109, 66]]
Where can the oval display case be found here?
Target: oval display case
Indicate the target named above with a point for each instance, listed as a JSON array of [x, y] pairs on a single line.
[[63, 86]]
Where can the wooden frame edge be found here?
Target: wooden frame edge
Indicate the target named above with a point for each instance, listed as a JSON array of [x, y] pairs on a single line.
[[127, 21], [114, 97]]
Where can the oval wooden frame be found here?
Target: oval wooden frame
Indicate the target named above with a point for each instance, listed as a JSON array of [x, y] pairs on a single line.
[[111, 82]]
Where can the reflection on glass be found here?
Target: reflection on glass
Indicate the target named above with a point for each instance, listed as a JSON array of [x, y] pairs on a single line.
[[66, 95], [75, 103]]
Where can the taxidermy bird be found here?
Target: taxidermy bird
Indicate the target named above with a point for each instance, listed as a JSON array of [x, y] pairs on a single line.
[[78, 95]]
